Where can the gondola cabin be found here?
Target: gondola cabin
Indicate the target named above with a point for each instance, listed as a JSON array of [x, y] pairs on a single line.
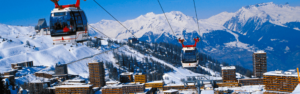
[[133, 40], [189, 57], [189, 54], [68, 25]]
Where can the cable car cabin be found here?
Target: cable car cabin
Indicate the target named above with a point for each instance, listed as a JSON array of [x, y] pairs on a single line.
[[68, 25], [42, 24], [133, 40], [189, 57], [189, 54]]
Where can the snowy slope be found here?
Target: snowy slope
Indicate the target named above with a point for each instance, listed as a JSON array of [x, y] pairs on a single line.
[[176, 75], [15, 30], [296, 90], [39, 49]]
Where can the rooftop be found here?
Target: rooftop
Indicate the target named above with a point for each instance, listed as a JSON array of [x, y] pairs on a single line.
[[171, 91], [112, 86], [192, 84], [21, 62], [260, 52], [127, 73], [132, 84], [74, 86], [159, 81], [249, 79], [281, 73], [228, 67], [36, 81], [94, 61], [112, 82], [8, 76]]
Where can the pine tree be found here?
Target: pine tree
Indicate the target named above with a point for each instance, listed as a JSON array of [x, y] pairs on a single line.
[[2, 87]]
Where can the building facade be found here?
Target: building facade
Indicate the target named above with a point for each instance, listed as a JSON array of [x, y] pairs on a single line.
[[155, 84], [228, 74], [97, 74], [61, 69], [22, 64], [126, 77], [44, 75], [133, 88], [112, 90], [251, 81], [280, 81], [74, 89], [179, 87], [171, 91], [141, 78], [37, 87], [259, 63]]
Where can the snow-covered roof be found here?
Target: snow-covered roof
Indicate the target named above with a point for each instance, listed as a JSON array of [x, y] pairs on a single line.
[[160, 81], [281, 73], [113, 86], [250, 79], [208, 85], [179, 84], [133, 84], [19, 62], [127, 73], [260, 52], [76, 80], [139, 74], [171, 91], [112, 82], [207, 92], [36, 81], [6, 76], [221, 88], [74, 86], [94, 61], [228, 67]]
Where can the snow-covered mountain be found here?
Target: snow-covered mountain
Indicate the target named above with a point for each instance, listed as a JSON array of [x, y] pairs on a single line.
[[261, 13], [230, 37], [18, 44], [156, 24]]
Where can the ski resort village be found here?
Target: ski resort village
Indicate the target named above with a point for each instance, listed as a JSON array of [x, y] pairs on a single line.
[[254, 50]]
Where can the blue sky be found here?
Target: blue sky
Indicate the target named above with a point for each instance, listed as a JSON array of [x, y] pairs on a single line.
[[27, 12]]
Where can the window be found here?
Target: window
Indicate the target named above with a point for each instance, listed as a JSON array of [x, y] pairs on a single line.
[[78, 20], [59, 14]]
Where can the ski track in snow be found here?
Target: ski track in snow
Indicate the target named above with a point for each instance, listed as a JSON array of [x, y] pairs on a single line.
[[177, 75]]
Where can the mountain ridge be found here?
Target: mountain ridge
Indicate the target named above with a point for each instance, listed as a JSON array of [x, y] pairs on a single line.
[[251, 28]]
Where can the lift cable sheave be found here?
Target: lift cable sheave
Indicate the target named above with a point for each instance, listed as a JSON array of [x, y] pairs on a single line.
[[114, 18], [77, 4], [195, 39]]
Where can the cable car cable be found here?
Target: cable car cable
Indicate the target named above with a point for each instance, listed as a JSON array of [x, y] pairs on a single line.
[[196, 16], [198, 24], [166, 17], [114, 18], [99, 31]]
